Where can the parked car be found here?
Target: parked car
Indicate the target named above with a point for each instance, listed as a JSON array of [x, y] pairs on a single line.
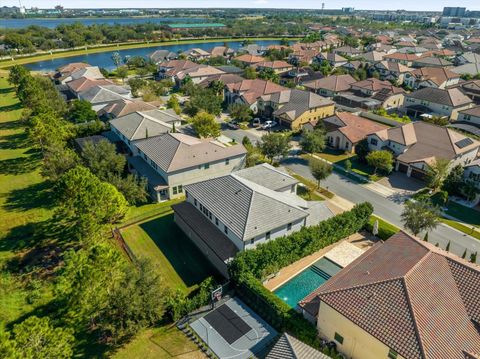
[[233, 125], [269, 124], [256, 122]]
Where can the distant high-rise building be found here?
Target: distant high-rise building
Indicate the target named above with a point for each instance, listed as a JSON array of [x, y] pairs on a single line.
[[454, 11]]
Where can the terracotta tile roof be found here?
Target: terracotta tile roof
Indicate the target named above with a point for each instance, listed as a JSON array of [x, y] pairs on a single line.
[[251, 90], [172, 67], [72, 67], [335, 83], [355, 128], [415, 298], [84, 83], [437, 75], [249, 59], [402, 57], [277, 64], [124, 107]]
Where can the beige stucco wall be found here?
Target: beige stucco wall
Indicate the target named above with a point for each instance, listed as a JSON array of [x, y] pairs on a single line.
[[394, 101], [341, 143], [317, 113], [357, 344]]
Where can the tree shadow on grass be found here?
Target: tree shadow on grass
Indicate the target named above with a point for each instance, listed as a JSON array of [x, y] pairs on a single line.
[[37, 195], [20, 165], [12, 125], [15, 141], [187, 260], [12, 107], [6, 90]]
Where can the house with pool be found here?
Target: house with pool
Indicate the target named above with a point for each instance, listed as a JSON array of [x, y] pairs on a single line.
[[403, 298], [238, 211]]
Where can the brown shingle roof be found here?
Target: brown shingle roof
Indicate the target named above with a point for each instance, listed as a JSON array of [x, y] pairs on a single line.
[[335, 83], [417, 299], [437, 75]]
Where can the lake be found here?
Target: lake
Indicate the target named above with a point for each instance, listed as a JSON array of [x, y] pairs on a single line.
[[103, 59], [52, 23]]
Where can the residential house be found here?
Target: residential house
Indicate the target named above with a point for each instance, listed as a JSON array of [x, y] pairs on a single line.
[[302, 56], [436, 102], [335, 60], [467, 58], [144, 124], [224, 78], [276, 66], [65, 71], [347, 51], [123, 107], [197, 74], [471, 89], [405, 59], [418, 144], [293, 108], [330, 86], [373, 57], [436, 77], [253, 49], [238, 211], [391, 71], [89, 72], [249, 91], [472, 174], [222, 51], [371, 94], [170, 161], [299, 76], [248, 60], [169, 69], [196, 54], [160, 56], [101, 96], [345, 130], [471, 115], [84, 83], [403, 298], [352, 65], [472, 69], [431, 61]]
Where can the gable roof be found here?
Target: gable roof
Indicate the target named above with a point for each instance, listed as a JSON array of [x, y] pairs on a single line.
[[247, 208], [124, 107], [85, 83], [469, 68], [142, 124], [296, 102], [101, 94], [426, 142], [277, 64], [413, 297], [176, 151], [335, 83], [249, 59], [268, 176], [375, 85], [438, 75], [449, 97], [172, 67], [355, 128], [433, 60], [251, 90]]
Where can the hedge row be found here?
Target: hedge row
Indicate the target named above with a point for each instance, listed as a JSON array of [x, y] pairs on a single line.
[[249, 268], [385, 229]]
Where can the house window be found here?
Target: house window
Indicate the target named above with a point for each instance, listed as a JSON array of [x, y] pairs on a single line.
[[186, 194], [346, 145], [206, 166], [225, 229], [267, 235], [392, 354], [373, 141], [195, 202], [227, 161], [252, 240], [289, 227], [180, 189], [175, 191], [338, 338], [216, 221]]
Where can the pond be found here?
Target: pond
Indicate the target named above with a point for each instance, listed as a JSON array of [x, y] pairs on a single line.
[[104, 59]]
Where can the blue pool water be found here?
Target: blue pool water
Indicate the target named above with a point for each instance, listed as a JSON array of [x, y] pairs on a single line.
[[307, 281]]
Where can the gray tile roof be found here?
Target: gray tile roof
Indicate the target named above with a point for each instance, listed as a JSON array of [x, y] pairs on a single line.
[[247, 208], [268, 176], [100, 94], [288, 347], [451, 97], [175, 151], [138, 125], [143, 169]]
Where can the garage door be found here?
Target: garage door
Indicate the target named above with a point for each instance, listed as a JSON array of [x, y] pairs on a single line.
[[417, 174], [402, 168]]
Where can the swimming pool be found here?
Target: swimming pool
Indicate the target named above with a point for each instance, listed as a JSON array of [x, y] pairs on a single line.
[[307, 281]]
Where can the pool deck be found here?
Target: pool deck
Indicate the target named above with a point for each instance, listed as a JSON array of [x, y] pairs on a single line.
[[288, 272]]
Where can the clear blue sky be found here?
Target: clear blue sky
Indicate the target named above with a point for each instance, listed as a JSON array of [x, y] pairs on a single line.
[[302, 4]]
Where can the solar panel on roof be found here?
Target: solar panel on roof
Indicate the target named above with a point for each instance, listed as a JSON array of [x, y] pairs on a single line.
[[464, 143]]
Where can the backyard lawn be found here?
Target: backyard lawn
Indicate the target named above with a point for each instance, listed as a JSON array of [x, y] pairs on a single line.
[[176, 258], [160, 343], [333, 155]]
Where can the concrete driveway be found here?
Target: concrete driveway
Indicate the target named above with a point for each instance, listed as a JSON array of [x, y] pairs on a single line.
[[399, 182]]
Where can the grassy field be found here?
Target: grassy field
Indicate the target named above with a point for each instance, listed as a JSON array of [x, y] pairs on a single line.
[[122, 46], [160, 343], [177, 259]]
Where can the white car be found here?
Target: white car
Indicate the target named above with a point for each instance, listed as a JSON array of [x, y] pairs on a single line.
[[269, 124]]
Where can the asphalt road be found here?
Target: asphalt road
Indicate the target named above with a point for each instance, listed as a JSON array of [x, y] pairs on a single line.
[[387, 208]]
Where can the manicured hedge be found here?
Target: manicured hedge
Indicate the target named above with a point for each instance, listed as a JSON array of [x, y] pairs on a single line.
[[385, 229], [249, 268]]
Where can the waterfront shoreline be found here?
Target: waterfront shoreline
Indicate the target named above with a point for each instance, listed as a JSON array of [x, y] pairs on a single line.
[[126, 46]]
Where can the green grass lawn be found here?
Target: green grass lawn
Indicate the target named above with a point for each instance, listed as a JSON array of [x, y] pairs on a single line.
[[159, 343], [333, 155], [461, 227], [465, 214], [176, 258]]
